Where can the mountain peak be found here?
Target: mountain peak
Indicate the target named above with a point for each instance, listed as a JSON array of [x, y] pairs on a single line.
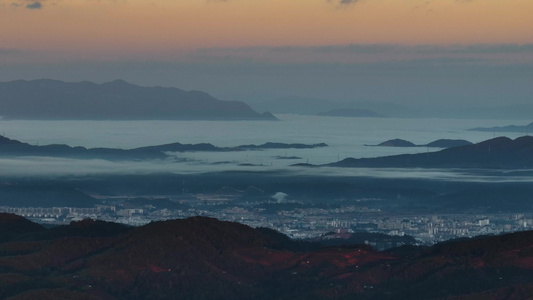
[[397, 143]]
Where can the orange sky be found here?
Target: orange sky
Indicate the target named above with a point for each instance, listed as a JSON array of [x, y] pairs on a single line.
[[143, 28], [456, 53]]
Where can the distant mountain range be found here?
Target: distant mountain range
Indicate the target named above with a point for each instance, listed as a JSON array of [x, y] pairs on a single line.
[[314, 106], [10, 147], [117, 100], [511, 128], [351, 112], [203, 258], [497, 153], [442, 143]]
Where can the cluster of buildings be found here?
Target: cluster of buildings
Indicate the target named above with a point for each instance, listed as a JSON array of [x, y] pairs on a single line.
[[300, 222]]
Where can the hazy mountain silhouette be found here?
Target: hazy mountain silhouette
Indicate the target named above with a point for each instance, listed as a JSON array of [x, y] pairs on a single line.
[[498, 153], [447, 143], [10, 147], [116, 100], [203, 258], [351, 112], [209, 147], [511, 128], [313, 106], [395, 143], [441, 143]]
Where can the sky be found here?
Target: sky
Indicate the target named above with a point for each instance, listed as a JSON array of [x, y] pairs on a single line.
[[431, 53]]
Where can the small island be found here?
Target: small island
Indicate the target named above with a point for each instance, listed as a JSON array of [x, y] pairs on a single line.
[[497, 153], [14, 148], [441, 143]]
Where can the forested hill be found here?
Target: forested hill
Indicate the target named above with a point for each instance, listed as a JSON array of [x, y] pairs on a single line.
[[204, 258]]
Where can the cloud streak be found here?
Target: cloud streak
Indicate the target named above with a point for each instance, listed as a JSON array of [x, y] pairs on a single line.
[[342, 3], [346, 2], [34, 5], [383, 48], [370, 53], [28, 4]]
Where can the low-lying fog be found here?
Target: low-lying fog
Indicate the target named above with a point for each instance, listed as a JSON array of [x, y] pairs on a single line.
[[63, 167], [346, 137]]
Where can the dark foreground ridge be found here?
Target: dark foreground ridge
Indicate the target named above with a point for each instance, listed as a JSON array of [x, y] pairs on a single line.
[[203, 258], [47, 99], [9, 147], [497, 153]]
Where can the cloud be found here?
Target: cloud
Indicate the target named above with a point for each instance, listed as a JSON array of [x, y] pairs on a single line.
[[28, 4], [378, 48], [367, 53], [280, 197], [48, 167], [494, 48], [34, 5], [358, 48], [343, 2], [421, 49]]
